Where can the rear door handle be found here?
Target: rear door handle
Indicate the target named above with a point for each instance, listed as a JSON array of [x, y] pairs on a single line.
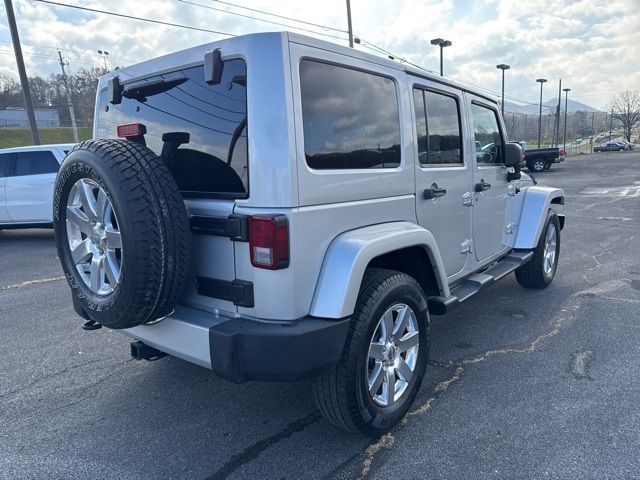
[[434, 192], [482, 186]]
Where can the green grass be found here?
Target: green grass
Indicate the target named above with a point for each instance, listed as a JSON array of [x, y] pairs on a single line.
[[20, 137]]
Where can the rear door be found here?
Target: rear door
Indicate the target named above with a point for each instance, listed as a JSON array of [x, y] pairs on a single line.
[[200, 131], [443, 177], [6, 168], [491, 188], [29, 192]]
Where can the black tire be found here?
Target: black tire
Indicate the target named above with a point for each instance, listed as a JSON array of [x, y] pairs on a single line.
[[536, 165], [342, 393], [532, 274], [153, 226]]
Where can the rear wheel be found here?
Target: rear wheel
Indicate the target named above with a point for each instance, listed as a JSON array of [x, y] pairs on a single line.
[[541, 269], [385, 356], [536, 165]]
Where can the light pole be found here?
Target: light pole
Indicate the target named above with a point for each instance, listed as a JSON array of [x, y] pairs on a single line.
[[541, 81], [441, 42], [503, 67], [566, 101], [104, 54]]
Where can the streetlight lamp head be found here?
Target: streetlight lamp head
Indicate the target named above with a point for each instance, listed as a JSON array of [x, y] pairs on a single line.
[[566, 89], [447, 43], [100, 52], [437, 41], [503, 66], [541, 80], [356, 40], [105, 52]]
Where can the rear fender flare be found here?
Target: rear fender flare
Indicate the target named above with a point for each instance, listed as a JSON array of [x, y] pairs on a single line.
[[349, 254]]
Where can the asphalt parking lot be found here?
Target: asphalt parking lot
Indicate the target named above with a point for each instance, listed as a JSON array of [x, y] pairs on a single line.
[[522, 384]]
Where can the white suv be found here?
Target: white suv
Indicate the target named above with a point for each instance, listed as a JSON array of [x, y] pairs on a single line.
[[27, 175], [280, 208]]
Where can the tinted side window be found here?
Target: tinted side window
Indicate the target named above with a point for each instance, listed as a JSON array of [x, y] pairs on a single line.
[[350, 118], [6, 160], [487, 135], [438, 125], [35, 163]]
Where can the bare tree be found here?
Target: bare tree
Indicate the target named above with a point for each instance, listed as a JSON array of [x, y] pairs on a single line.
[[626, 109]]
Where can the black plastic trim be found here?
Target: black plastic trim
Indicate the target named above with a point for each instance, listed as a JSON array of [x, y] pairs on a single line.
[[240, 292], [244, 349], [234, 226]]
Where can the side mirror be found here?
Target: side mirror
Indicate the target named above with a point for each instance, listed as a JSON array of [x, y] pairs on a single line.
[[513, 158]]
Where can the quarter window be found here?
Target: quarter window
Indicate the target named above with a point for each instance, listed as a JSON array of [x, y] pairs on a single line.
[[438, 128], [487, 135], [36, 163], [5, 164], [350, 118]]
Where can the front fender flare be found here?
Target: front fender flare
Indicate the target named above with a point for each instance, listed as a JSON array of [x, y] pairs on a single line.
[[536, 203], [349, 254]]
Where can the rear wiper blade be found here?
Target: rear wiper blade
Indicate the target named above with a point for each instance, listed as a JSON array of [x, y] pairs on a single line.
[[142, 90]]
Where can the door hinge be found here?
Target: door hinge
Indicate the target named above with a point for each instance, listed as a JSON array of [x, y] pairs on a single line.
[[512, 190], [511, 228], [466, 246], [467, 199]]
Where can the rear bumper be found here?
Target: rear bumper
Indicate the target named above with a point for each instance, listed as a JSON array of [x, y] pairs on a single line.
[[241, 349], [558, 160]]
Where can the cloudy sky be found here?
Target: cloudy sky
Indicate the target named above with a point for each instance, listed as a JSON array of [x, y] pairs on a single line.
[[594, 45]]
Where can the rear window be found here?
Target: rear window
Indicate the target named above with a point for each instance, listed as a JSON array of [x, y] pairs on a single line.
[[350, 118], [215, 160], [35, 163]]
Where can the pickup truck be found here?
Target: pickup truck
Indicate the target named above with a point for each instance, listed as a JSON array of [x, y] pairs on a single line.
[[541, 159]]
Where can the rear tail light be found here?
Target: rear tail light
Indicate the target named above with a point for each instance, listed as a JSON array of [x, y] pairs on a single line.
[[131, 130], [269, 241]]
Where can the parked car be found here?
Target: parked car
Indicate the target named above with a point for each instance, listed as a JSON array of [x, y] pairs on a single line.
[[609, 147], [626, 145], [540, 159], [316, 248], [27, 175]]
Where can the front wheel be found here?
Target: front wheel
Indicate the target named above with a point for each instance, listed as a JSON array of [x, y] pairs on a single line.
[[541, 269], [385, 356]]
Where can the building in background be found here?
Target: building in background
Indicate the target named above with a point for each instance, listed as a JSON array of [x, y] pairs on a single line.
[[17, 118]]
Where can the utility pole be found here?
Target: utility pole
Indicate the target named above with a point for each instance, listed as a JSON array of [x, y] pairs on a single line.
[[349, 23], [525, 127], [72, 114], [22, 72], [503, 67], [566, 100], [541, 81], [556, 125]]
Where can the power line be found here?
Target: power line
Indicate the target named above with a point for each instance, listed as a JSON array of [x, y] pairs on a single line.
[[326, 27], [259, 19], [132, 17]]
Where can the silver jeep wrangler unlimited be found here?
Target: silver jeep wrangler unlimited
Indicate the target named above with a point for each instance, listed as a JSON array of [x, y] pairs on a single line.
[[274, 207]]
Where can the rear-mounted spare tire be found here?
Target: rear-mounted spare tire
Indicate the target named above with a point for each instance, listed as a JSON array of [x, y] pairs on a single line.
[[122, 232]]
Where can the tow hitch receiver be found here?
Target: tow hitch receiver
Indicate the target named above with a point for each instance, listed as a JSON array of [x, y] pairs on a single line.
[[142, 351]]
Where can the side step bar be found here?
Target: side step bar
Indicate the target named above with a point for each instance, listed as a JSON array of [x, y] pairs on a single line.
[[478, 281]]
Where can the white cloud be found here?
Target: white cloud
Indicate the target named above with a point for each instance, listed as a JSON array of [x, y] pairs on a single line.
[[592, 44]]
